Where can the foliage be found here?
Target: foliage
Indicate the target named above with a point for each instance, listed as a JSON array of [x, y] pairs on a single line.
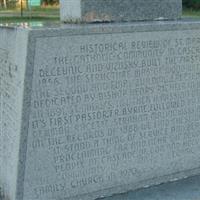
[[195, 4], [50, 2]]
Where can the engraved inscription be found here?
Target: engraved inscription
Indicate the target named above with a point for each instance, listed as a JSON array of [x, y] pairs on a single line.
[[112, 109]]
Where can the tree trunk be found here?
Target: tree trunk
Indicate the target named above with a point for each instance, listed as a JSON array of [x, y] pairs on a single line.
[[5, 3]]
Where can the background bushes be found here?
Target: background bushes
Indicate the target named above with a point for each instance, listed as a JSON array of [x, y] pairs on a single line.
[[50, 2], [195, 4]]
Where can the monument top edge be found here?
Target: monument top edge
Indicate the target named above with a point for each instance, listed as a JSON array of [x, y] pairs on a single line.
[[58, 25]]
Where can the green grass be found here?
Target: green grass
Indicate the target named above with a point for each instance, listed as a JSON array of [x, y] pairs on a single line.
[[47, 13], [46, 9], [191, 13], [27, 19]]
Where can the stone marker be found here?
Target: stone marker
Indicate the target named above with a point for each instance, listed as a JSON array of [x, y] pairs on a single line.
[[93, 110], [97, 110], [119, 10]]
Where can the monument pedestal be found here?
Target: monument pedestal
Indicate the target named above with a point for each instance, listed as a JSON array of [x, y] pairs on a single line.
[[93, 110]]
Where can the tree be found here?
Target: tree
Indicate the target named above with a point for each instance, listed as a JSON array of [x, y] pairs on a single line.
[[50, 2], [195, 4]]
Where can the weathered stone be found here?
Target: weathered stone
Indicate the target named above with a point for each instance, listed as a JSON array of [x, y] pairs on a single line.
[[119, 10], [186, 189], [88, 111], [13, 51]]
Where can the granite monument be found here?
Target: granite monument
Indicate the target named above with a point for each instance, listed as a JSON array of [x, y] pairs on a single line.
[[91, 110], [119, 10]]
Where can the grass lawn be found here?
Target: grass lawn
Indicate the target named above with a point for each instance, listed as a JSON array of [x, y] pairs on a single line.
[[27, 19], [51, 13], [191, 13], [48, 13]]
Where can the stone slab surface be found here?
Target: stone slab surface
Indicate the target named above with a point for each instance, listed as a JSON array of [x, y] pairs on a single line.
[[119, 10], [12, 67], [108, 109], [187, 189]]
